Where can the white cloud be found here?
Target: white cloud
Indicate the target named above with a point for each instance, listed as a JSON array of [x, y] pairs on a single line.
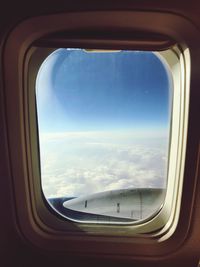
[[75, 164]]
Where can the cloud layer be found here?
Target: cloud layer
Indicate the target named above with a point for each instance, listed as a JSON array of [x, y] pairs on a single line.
[[75, 164]]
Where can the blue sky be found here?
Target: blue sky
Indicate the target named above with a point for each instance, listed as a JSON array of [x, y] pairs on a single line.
[[104, 121], [81, 91]]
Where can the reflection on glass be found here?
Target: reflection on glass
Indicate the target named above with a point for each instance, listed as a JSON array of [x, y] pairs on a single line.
[[104, 122]]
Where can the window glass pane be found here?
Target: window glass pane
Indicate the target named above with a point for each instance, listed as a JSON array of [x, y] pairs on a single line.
[[104, 126]]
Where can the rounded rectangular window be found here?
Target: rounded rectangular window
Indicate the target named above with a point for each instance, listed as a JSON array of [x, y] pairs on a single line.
[[104, 120]]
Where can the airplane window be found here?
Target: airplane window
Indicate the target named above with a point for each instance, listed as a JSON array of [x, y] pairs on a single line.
[[104, 133]]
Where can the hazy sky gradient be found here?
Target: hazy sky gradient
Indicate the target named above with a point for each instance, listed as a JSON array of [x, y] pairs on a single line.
[[77, 91]]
